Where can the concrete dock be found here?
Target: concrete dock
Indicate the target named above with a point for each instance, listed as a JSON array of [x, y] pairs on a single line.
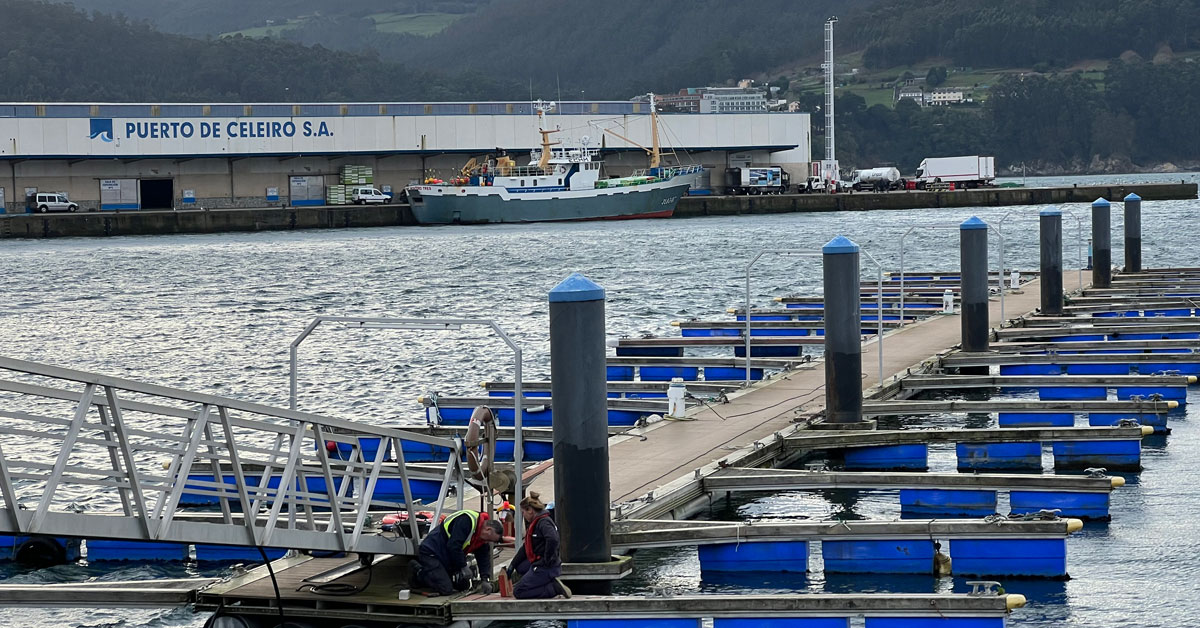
[[647, 462], [276, 218], [675, 449]]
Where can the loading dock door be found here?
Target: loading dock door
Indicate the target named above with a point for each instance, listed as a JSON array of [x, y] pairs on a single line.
[[157, 193], [118, 194], [306, 190]]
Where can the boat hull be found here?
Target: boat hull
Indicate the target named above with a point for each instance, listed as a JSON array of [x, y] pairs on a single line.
[[450, 205]]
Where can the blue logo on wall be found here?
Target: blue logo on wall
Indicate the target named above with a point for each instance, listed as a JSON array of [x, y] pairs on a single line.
[[102, 128]]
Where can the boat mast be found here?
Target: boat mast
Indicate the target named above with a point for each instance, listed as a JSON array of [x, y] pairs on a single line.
[[655, 153], [542, 108]]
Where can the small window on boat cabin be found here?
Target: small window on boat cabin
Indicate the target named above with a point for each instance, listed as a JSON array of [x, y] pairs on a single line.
[[560, 181], [535, 183], [522, 182]]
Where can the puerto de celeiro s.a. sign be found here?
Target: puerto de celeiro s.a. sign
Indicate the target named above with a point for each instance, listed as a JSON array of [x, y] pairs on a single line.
[[104, 130], [223, 136], [208, 136]]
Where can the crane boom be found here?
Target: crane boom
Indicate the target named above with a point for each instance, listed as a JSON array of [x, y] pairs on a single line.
[[654, 152]]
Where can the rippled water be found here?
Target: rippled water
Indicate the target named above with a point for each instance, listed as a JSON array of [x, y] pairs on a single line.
[[215, 313]]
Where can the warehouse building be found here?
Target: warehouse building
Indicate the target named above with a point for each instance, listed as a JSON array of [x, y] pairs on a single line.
[[175, 156]]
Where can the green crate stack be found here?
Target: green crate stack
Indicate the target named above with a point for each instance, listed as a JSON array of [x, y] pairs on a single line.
[[335, 195], [357, 175]]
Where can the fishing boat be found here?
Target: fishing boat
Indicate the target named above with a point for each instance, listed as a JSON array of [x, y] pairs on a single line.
[[559, 183]]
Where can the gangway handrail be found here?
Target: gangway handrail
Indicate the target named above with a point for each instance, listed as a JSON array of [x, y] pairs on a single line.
[[110, 436], [987, 281], [429, 324], [58, 372], [804, 253], [1078, 238]]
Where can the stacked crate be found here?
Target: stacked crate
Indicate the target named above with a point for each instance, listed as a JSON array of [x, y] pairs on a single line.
[[336, 195], [357, 175]]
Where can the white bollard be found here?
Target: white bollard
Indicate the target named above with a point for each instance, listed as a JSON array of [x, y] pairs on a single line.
[[675, 395], [1014, 279], [947, 302]]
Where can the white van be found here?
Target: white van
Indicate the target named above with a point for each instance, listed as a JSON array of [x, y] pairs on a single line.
[[364, 195], [53, 202]]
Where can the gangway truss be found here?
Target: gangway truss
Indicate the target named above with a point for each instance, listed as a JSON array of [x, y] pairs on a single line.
[[97, 457]]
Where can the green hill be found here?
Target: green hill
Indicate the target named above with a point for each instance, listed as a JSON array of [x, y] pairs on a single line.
[[422, 24], [1049, 91], [51, 52], [618, 48], [214, 17]]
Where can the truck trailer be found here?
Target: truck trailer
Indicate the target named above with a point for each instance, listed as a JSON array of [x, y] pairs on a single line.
[[969, 171], [762, 180]]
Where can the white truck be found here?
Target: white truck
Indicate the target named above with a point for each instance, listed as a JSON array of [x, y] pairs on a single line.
[[877, 179], [969, 171], [817, 185]]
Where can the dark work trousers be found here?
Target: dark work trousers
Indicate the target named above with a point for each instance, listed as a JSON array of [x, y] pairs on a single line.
[[537, 585], [433, 573]]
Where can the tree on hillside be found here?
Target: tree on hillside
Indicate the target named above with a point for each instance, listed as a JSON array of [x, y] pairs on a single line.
[[936, 76], [1043, 118]]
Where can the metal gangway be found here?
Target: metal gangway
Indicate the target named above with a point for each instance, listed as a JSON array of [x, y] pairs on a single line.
[[97, 457]]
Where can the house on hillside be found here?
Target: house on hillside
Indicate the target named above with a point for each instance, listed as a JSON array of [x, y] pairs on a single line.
[[716, 100], [910, 92], [946, 96], [686, 101]]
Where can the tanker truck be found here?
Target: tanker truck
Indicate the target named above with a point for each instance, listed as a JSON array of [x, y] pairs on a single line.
[[878, 179]]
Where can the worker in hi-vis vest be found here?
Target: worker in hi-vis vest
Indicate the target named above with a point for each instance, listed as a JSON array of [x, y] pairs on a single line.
[[442, 558], [537, 565]]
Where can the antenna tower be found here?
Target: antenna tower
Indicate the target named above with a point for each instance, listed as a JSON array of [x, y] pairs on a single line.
[[830, 154]]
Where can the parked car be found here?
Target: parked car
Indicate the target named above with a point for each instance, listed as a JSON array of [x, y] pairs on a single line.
[[365, 195], [53, 202]]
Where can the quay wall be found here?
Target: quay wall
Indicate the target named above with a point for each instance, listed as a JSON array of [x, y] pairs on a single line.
[[144, 222], [694, 206], [107, 223]]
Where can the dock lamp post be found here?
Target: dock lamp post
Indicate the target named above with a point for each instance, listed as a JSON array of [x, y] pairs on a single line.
[[1000, 277], [801, 253], [429, 324]]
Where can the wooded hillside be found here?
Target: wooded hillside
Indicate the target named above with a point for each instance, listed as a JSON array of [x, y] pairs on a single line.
[[52, 52], [1020, 33]]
